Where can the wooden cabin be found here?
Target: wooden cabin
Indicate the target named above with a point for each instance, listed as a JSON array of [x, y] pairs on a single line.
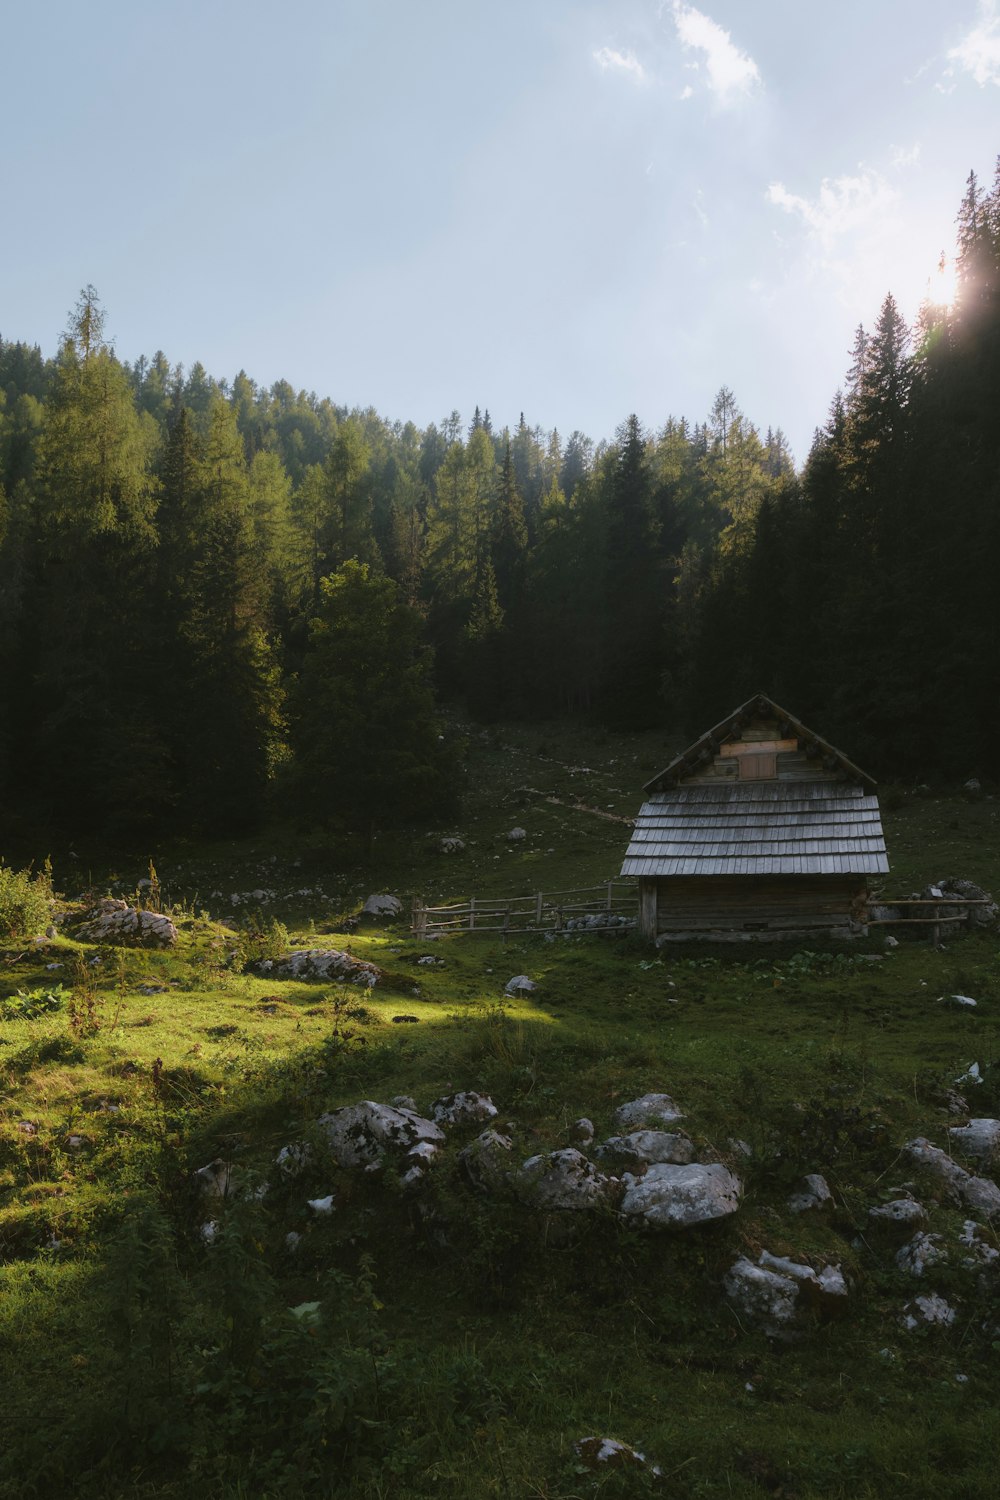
[[760, 830]]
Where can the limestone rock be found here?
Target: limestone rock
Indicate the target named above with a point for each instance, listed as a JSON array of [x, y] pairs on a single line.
[[679, 1197], [979, 1139], [463, 1108], [986, 915], [486, 1161], [651, 1109], [814, 1193], [516, 836], [977, 1193], [922, 1251], [382, 906], [362, 1135], [564, 1181], [775, 1294], [928, 1312], [114, 921], [321, 963], [644, 1148], [582, 1131], [215, 1180], [451, 844], [765, 1299], [900, 1216], [520, 985]]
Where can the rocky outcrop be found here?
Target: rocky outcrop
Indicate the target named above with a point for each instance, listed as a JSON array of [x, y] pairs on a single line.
[[463, 1108], [363, 1135], [382, 906], [651, 1109], [813, 1194], [776, 1294], [564, 1181], [644, 1148], [977, 1193], [330, 964], [680, 1197], [113, 921], [980, 1139]]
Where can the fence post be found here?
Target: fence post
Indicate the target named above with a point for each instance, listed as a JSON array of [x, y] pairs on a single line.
[[609, 895], [538, 908], [472, 913], [419, 917], [936, 927]]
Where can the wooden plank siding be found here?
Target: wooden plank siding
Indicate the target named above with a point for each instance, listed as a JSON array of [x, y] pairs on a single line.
[[733, 909]]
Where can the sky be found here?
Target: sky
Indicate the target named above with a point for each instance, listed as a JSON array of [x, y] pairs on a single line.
[[574, 209]]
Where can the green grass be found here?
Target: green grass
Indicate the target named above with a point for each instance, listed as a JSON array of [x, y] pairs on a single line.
[[460, 1349]]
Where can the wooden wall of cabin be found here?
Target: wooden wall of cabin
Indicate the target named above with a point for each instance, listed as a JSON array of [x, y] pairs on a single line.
[[735, 908], [758, 736]]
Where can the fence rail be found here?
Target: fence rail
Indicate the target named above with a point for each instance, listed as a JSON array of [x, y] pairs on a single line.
[[609, 907], [937, 915]]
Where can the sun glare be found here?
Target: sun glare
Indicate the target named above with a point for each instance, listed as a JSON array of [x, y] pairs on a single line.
[[943, 285]]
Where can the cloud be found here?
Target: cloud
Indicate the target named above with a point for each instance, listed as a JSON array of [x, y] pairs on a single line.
[[905, 156], [732, 74], [607, 59], [978, 53], [844, 206]]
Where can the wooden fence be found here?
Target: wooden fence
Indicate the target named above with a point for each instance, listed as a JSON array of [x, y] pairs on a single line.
[[932, 912], [611, 907]]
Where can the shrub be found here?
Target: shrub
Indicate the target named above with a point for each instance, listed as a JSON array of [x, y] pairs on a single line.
[[25, 902]]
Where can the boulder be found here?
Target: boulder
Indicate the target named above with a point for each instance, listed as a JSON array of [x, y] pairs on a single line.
[[516, 836], [293, 1159], [898, 1217], [985, 915], [520, 985], [215, 1180], [922, 1251], [776, 1294], [463, 1108], [644, 1148], [564, 1181], [979, 1139], [680, 1197], [382, 906], [486, 1161], [977, 1193], [817, 1287], [321, 963], [451, 844], [814, 1193], [763, 1298], [982, 1255], [928, 1312], [651, 1109], [582, 1131], [362, 1135], [114, 921]]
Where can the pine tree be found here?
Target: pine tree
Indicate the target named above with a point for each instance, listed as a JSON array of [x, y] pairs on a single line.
[[366, 738]]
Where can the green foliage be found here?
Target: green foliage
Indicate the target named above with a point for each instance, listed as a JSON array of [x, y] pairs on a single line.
[[262, 940], [25, 902], [28, 1005], [364, 728]]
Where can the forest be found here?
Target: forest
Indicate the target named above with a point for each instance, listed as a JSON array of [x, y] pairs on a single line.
[[220, 602]]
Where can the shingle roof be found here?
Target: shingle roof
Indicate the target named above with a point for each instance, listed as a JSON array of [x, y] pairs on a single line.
[[759, 828]]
